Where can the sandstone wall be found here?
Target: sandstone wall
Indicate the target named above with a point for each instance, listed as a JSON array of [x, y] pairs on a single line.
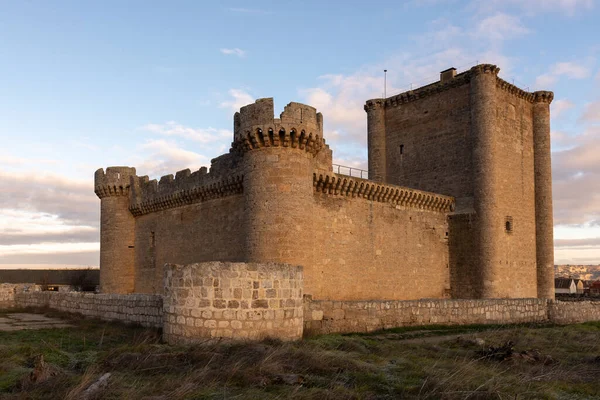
[[232, 300], [471, 137], [515, 273], [205, 231], [365, 249], [429, 143], [145, 310]]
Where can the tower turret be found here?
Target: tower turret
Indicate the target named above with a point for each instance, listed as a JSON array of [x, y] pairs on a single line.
[[117, 230], [485, 183], [543, 194], [279, 159], [376, 139]]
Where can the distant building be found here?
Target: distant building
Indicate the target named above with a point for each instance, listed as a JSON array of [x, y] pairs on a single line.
[[595, 288], [565, 286], [54, 279]]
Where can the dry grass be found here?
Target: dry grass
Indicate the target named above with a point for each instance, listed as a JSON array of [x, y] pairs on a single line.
[[382, 365]]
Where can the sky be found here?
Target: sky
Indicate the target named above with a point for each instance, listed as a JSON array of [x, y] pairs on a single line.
[[154, 85]]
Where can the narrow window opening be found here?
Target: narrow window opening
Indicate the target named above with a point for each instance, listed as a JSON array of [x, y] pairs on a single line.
[[401, 149], [508, 224]]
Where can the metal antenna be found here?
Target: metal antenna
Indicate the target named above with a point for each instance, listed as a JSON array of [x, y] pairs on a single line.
[[385, 83]]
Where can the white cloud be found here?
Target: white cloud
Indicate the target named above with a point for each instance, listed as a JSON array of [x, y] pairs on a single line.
[[576, 179], [240, 98], [48, 248], [10, 160], [163, 157], [558, 107], [570, 69], [591, 112], [202, 135], [501, 27], [234, 52]]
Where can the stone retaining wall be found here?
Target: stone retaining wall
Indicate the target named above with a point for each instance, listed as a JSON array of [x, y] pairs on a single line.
[[365, 316], [253, 301], [143, 309], [7, 295], [568, 312], [232, 300], [8, 291]]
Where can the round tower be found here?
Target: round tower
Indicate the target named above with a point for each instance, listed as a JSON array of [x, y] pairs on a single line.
[[376, 141], [544, 225], [117, 230], [279, 159], [489, 224]]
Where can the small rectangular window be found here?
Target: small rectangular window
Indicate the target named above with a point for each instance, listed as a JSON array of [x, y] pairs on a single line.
[[401, 149], [508, 224]]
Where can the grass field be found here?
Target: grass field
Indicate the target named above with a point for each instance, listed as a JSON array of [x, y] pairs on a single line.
[[474, 362]]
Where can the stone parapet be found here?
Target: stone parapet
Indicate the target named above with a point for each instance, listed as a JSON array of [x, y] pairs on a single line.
[[342, 185], [458, 80], [299, 127], [114, 182], [233, 301], [186, 188]]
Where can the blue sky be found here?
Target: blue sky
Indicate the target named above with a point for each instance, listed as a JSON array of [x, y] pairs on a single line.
[[154, 85]]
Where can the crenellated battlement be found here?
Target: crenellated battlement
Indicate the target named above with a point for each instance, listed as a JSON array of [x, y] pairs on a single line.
[[543, 96], [299, 126], [341, 185], [184, 188], [450, 83], [114, 182]]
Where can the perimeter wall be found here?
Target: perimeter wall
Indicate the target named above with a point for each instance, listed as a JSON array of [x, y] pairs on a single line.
[[320, 317]]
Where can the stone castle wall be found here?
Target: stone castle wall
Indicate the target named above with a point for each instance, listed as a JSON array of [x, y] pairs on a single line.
[[204, 231], [183, 310], [232, 300], [475, 140], [273, 198], [484, 141], [391, 243]]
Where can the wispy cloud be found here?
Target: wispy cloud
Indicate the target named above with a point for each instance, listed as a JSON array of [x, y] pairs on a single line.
[[500, 27], [202, 135], [234, 52], [161, 157], [558, 107], [569, 69], [240, 98], [591, 112]]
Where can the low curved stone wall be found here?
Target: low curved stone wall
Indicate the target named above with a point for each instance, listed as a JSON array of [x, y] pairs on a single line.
[[232, 300]]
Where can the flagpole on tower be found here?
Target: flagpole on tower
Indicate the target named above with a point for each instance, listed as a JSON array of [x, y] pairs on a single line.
[[385, 83]]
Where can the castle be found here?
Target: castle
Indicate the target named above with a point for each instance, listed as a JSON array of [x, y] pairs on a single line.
[[458, 203]]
